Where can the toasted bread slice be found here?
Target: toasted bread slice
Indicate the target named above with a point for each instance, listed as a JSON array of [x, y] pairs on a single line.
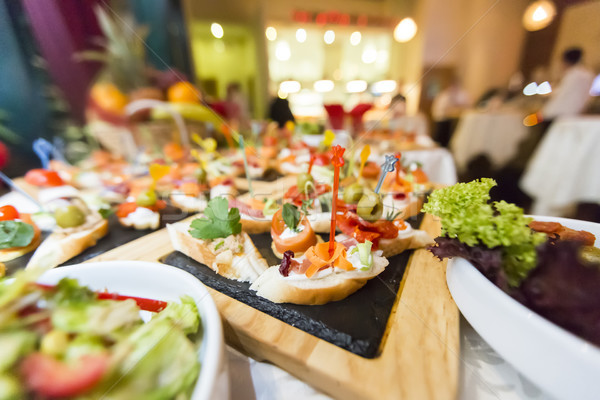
[[62, 246], [188, 203], [255, 225], [336, 286], [415, 240], [16, 252], [320, 222], [245, 266]]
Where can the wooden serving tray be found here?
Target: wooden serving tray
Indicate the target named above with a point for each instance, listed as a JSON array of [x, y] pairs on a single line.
[[419, 354]]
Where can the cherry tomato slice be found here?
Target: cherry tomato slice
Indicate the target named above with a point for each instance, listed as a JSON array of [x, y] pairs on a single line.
[[8, 213], [43, 177]]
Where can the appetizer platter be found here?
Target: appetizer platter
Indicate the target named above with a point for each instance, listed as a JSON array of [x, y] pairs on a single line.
[[320, 267]]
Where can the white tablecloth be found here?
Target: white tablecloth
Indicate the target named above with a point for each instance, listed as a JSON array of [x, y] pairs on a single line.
[[494, 134], [565, 168], [437, 163]]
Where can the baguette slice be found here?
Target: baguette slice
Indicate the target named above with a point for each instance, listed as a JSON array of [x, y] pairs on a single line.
[[320, 222], [391, 247], [188, 203], [244, 267], [336, 286], [255, 225], [60, 247], [16, 252]]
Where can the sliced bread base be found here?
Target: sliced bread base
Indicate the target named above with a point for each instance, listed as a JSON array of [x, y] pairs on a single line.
[[244, 267]]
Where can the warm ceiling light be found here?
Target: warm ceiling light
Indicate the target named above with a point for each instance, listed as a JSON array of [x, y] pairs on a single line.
[[289, 87], [369, 55], [323, 86], [356, 86], [271, 33], [355, 38], [544, 88], [405, 30], [301, 35], [329, 37], [387, 86], [216, 30], [595, 89], [282, 51], [530, 89], [539, 15]]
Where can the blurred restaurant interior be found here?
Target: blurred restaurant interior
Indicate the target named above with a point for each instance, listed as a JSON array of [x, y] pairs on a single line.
[[453, 90]]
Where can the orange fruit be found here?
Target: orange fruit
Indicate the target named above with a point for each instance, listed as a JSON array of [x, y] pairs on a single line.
[[108, 97], [183, 92]]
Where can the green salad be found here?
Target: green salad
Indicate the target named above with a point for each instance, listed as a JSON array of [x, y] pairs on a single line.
[[66, 341]]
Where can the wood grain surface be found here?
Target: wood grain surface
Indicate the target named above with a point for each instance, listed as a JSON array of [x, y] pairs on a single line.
[[419, 354]]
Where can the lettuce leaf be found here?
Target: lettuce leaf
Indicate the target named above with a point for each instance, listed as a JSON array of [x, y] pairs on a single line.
[[15, 234], [468, 215]]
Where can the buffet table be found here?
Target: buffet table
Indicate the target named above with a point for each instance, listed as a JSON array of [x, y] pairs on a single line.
[[496, 135], [565, 168]]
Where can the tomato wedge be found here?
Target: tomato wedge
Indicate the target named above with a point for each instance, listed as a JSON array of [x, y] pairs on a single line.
[[8, 213], [49, 377], [299, 243], [43, 177], [127, 208]]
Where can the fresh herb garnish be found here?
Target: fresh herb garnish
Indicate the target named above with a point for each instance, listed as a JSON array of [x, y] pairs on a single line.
[[106, 212], [391, 216], [219, 221], [291, 216], [15, 234], [326, 202], [219, 245], [467, 215], [305, 204]]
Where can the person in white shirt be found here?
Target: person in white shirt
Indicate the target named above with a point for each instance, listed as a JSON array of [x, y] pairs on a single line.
[[573, 93]]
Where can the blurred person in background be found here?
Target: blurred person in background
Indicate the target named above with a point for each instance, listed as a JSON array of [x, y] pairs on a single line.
[[236, 107], [280, 112], [573, 93], [446, 109]]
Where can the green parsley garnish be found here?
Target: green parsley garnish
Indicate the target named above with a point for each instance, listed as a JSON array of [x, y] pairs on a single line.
[[468, 215], [15, 234], [218, 222], [291, 216], [219, 245]]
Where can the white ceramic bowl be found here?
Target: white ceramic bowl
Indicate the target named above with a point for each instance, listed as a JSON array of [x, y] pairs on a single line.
[[161, 282], [559, 362]]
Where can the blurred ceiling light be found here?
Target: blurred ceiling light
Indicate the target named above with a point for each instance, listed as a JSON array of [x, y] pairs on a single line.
[[539, 15], [356, 86], [289, 86], [530, 89], [301, 35], [282, 51], [382, 56], [216, 30], [355, 38], [323, 86], [405, 30], [544, 88], [329, 37], [595, 89], [369, 55], [281, 94], [386, 86], [271, 33]]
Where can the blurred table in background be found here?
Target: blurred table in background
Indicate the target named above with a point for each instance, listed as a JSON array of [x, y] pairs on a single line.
[[380, 119], [496, 135], [565, 168], [437, 163]]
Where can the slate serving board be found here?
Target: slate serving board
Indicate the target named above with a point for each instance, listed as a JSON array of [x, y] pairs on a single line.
[[117, 235], [356, 324]]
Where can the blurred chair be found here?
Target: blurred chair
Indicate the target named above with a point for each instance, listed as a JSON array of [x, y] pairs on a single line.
[[336, 115]]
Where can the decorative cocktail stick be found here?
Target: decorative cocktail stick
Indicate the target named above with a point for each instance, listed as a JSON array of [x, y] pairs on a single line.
[[364, 156], [158, 171], [16, 188], [387, 166], [337, 160], [243, 147]]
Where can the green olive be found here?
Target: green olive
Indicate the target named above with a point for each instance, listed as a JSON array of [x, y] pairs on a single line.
[[146, 199], [353, 193], [200, 175], [302, 180], [69, 216], [370, 206]]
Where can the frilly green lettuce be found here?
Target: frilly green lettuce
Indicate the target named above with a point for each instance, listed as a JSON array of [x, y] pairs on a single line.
[[467, 214]]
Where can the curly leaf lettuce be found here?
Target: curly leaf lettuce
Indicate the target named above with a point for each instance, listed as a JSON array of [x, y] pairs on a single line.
[[468, 215]]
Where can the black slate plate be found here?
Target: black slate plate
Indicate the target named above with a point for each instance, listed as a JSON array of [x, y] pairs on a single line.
[[356, 324], [117, 235]]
